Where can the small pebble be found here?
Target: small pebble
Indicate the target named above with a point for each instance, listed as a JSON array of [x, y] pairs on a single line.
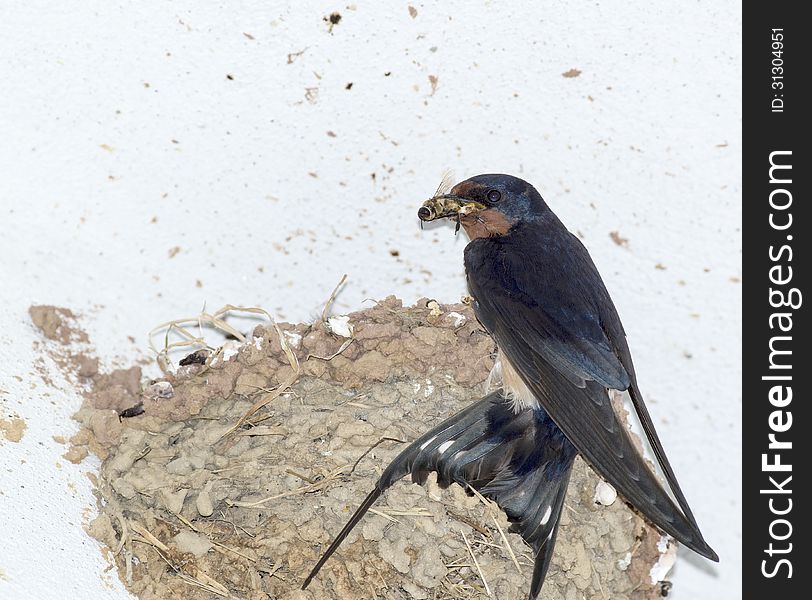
[[193, 543], [173, 501], [605, 494], [205, 506]]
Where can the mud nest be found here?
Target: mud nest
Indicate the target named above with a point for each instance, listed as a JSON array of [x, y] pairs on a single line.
[[190, 507]]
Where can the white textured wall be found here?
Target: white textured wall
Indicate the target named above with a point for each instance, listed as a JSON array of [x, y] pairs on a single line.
[[123, 138]]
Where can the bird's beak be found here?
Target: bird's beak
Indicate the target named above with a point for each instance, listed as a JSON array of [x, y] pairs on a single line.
[[448, 205]]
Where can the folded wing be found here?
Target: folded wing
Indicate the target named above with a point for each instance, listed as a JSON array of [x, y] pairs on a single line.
[[553, 319]]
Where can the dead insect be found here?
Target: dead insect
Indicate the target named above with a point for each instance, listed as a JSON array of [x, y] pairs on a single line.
[[133, 411], [197, 357], [446, 205]]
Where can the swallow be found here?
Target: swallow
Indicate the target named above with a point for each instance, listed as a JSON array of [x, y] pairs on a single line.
[[562, 347], [562, 351]]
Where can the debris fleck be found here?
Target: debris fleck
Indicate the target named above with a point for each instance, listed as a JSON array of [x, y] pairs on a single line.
[[312, 94], [618, 239], [571, 73], [334, 19], [433, 80], [412, 12], [292, 56]]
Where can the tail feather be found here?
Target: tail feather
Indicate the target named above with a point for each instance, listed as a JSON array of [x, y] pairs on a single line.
[[357, 515], [544, 556], [522, 461]]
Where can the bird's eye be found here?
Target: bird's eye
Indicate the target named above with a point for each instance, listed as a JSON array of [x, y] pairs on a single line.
[[494, 196]]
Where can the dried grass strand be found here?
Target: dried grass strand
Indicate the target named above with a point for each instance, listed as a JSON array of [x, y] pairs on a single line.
[[329, 304], [476, 564]]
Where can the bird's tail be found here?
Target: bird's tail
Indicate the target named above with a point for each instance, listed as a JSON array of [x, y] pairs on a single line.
[[522, 461]]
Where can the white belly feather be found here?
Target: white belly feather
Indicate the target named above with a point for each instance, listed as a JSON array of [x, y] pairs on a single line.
[[514, 388]]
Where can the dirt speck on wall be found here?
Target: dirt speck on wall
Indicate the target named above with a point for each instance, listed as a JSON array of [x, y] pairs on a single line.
[[190, 507], [55, 323], [12, 429]]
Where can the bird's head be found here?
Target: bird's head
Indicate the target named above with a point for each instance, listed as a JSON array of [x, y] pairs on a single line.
[[486, 205]]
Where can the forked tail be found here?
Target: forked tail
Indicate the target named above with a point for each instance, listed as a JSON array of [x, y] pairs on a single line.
[[521, 461]]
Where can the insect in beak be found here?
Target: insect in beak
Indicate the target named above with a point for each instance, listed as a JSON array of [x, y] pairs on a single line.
[[448, 206]]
